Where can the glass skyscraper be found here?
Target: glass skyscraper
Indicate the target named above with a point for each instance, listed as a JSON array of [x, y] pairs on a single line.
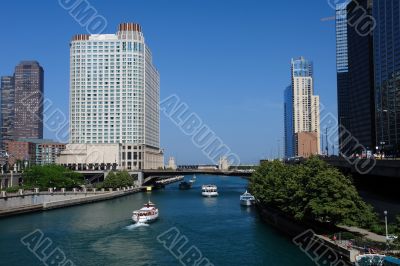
[[342, 68], [22, 103], [7, 109], [355, 77], [341, 38], [29, 89], [387, 73], [289, 131]]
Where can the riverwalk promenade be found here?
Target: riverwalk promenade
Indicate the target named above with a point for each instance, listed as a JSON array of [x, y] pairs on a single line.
[[34, 201]]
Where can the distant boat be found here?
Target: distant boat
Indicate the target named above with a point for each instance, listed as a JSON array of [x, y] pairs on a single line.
[[159, 186], [185, 185], [147, 214], [209, 191], [247, 199]]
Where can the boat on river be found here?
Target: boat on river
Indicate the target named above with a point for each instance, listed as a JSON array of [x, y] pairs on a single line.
[[147, 214], [247, 199], [185, 185], [209, 191]]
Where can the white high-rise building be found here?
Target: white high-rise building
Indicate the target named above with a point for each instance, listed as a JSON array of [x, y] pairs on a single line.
[[114, 98], [302, 114]]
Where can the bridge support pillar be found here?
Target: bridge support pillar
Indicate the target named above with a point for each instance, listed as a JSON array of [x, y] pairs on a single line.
[[140, 179]]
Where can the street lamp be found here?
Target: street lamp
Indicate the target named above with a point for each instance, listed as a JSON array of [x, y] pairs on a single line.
[[386, 226], [388, 125], [327, 144]]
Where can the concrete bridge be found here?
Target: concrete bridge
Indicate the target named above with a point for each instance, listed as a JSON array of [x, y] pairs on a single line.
[[243, 173], [153, 176], [367, 167], [95, 176]]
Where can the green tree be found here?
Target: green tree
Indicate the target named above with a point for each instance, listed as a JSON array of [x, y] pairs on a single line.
[[311, 191], [333, 198], [118, 179], [49, 176]]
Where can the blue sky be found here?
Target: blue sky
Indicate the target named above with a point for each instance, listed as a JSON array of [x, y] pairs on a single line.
[[228, 60]]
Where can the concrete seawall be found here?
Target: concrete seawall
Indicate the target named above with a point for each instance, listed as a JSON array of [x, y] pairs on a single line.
[[291, 228], [86, 198]]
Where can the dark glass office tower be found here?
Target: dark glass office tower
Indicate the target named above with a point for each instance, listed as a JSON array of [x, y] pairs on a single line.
[[28, 100], [7, 109], [289, 127], [387, 74], [342, 68], [358, 105]]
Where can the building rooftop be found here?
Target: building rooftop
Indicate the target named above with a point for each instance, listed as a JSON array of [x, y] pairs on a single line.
[[39, 141]]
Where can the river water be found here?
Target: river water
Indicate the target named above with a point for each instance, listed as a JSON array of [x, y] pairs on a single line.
[[218, 230]]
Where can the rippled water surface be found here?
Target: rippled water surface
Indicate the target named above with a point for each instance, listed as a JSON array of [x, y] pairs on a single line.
[[103, 234]]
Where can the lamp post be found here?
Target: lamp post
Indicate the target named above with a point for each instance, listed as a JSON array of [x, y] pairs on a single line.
[[382, 129], [388, 126], [386, 226], [327, 144]]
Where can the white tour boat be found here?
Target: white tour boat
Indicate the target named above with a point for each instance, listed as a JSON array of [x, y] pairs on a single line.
[[147, 214], [247, 199], [209, 191]]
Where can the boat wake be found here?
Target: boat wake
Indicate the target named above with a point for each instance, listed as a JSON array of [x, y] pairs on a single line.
[[137, 225]]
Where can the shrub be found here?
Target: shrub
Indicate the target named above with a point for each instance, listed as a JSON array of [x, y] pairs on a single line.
[[118, 179], [12, 189], [100, 185]]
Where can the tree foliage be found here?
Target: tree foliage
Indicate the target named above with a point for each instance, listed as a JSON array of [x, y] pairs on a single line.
[[311, 191], [118, 179], [49, 176]]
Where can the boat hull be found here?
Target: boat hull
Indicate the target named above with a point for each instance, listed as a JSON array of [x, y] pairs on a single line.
[[185, 186], [209, 194], [144, 219]]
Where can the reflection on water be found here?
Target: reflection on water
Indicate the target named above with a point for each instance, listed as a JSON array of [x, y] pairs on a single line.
[[210, 202], [247, 209]]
